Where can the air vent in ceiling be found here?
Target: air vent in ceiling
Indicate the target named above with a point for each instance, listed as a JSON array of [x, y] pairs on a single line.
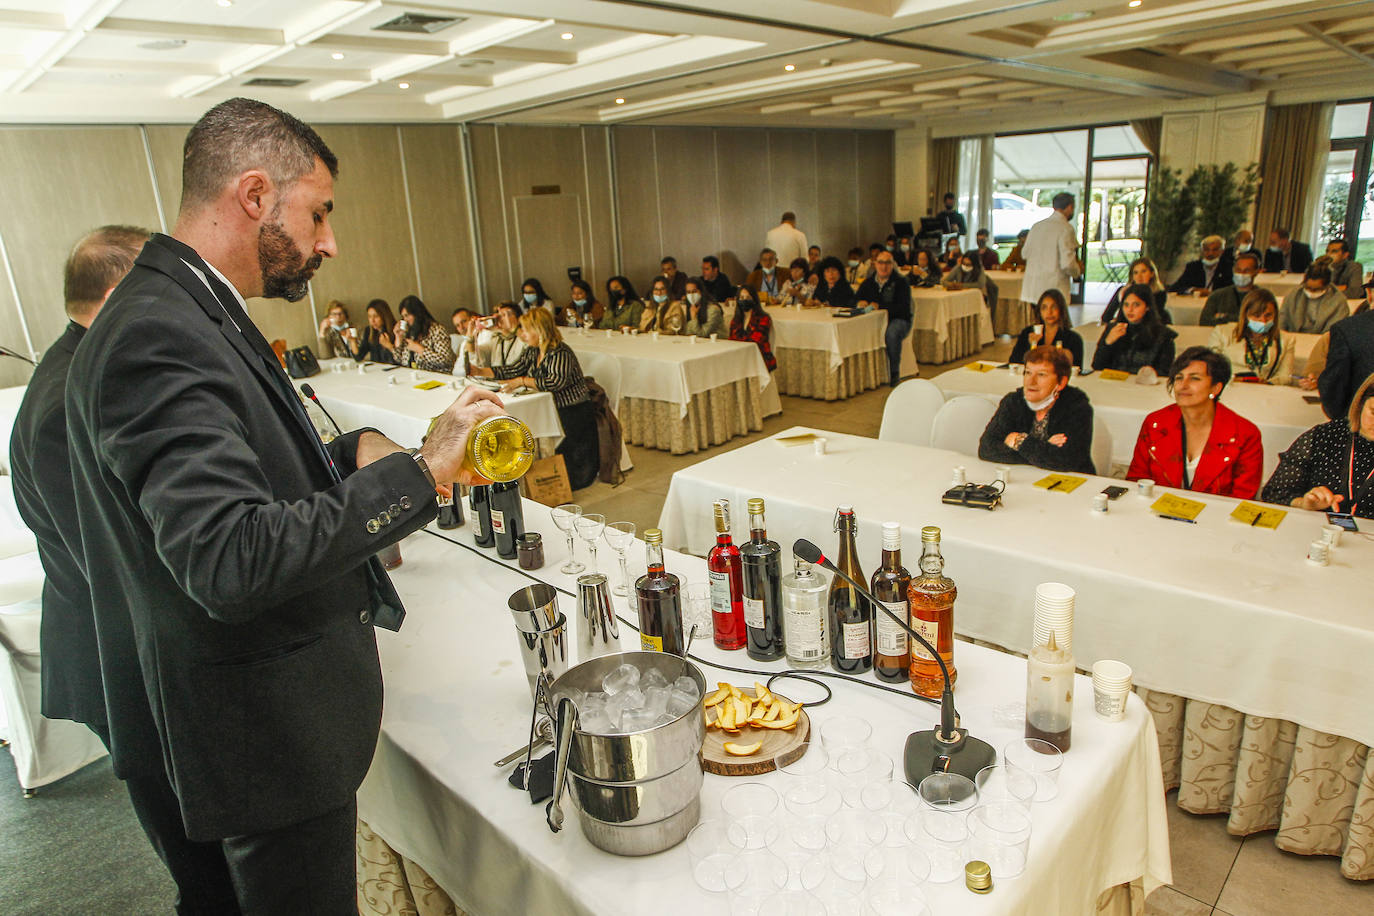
[[420, 23], [274, 82]]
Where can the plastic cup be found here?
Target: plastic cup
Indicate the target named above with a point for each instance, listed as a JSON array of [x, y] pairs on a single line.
[[818, 445], [714, 857], [943, 837], [838, 734], [1111, 689], [1331, 534], [895, 897], [947, 792], [1003, 784], [860, 767], [814, 761], [999, 834], [752, 811], [1145, 487], [763, 876], [908, 862], [859, 830], [811, 803], [1040, 759], [839, 868]]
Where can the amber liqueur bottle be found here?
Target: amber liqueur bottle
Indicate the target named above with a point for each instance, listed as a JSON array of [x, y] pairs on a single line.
[[890, 582], [931, 596], [658, 594], [850, 616], [762, 588]]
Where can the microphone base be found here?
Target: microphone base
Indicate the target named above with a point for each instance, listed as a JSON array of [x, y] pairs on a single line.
[[926, 754]]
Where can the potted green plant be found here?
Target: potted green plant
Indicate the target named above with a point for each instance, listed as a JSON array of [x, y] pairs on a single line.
[[1169, 216], [1223, 195]]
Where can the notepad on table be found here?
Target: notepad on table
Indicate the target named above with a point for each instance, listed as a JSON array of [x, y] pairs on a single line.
[[981, 366], [1114, 375], [1256, 516], [432, 383], [798, 439], [1061, 483], [1178, 506]]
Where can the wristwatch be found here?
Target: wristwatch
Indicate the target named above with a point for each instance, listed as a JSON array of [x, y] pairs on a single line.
[[420, 461]]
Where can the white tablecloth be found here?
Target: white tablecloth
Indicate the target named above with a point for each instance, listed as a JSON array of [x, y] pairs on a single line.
[[1008, 283], [1192, 335], [1213, 611], [947, 325], [1279, 411], [818, 329], [457, 700], [1187, 310]]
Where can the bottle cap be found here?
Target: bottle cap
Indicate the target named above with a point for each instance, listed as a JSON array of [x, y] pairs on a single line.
[[756, 506], [653, 536], [930, 535], [892, 535], [846, 510], [722, 516], [978, 877]]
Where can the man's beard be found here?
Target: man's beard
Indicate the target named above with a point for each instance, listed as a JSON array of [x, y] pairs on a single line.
[[285, 271]]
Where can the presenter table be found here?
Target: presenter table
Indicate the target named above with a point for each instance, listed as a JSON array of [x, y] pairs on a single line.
[[947, 325], [457, 699], [1011, 312], [683, 394], [1271, 652]]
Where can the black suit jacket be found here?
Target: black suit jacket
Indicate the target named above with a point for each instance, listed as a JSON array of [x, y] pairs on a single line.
[[1194, 276], [1349, 361], [1300, 258], [231, 567], [43, 494]]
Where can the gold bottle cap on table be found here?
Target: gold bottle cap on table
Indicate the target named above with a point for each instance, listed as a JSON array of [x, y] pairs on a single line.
[[722, 509], [755, 506], [653, 536], [978, 877], [930, 534]]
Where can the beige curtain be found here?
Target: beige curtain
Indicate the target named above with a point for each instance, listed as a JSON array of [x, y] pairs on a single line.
[[1148, 130], [1293, 143], [944, 170]]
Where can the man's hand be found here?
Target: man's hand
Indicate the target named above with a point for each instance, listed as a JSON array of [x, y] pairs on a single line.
[[373, 447], [447, 443]]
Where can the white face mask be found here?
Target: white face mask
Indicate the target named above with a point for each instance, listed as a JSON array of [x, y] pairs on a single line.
[[1242, 280], [1039, 405], [906, 247], [769, 270], [1312, 295], [853, 263], [1211, 262], [694, 298]]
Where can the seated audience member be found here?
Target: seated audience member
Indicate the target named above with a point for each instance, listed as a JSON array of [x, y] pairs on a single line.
[[704, 317], [1244, 243], [986, 253], [813, 259], [902, 256], [502, 347], [1315, 306], [952, 253], [751, 323], [1210, 272], [334, 331], [888, 290], [766, 278], [547, 363], [423, 342], [623, 308], [925, 269], [715, 282], [1330, 468], [1044, 423], [1015, 260], [661, 312], [1142, 271], [532, 294], [1052, 331], [1223, 305], [1136, 339], [1347, 274], [1197, 443], [854, 265], [583, 310], [833, 289], [865, 268], [1284, 254], [375, 342], [968, 273], [890, 244], [1349, 359], [798, 288], [461, 318], [677, 280], [1257, 349]]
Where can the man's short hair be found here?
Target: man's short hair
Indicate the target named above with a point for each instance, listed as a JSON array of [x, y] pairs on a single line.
[[1212, 240], [981, 234], [1282, 233], [712, 260], [768, 251], [876, 246], [97, 263], [1319, 271], [668, 260], [789, 217], [1061, 200], [242, 134], [1249, 256], [815, 248], [949, 195], [1345, 246]]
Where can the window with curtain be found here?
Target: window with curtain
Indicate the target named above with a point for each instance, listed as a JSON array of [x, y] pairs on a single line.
[[975, 183]]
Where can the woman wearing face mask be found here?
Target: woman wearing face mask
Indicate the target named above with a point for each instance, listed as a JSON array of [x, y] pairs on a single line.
[[1257, 349], [967, 274], [704, 317], [423, 342], [1138, 338], [1197, 443], [952, 252], [853, 272], [1316, 305], [1142, 273], [925, 269], [799, 290], [833, 290], [583, 310], [661, 314], [751, 323], [1052, 331], [1045, 423], [532, 294], [623, 308], [1223, 305], [1330, 468]]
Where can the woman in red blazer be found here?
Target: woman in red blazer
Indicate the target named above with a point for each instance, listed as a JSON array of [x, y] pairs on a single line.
[[1197, 443]]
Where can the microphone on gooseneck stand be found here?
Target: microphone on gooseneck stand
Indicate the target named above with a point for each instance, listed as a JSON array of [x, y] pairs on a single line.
[[310, 393], [945, 748]]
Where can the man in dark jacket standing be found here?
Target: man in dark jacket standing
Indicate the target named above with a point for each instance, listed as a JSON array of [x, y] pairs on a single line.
[[230, 555]]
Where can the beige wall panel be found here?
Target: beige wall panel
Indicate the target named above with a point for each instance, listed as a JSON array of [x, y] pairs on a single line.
[[875, 187], [495, 234], [556, 221], [743, 198], [597, 212], [293, 322], [688, 196], [837, 193], [793, 179], [12, 371], [642, 217], [164, 144], [439, 207], [59, 184]]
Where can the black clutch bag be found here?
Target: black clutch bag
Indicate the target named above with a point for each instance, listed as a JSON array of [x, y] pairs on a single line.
[[301, 363], [973, 495]]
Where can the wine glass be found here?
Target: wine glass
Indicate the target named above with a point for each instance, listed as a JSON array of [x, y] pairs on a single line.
[[589, 528], [620, 535], [565, 517]]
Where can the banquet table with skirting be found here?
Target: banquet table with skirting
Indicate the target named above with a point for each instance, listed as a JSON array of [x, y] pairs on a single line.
[[1198, 336], [682, 394], [1254, 662], [821, 356], [947, 325], [1010, 313], [439, 825], [1187, 310]]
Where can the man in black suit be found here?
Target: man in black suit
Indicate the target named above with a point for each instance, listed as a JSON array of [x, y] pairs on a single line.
[[1208, 273], [1349, 361], [231, 556], [46, 500], [1286, 254], [715, 282]]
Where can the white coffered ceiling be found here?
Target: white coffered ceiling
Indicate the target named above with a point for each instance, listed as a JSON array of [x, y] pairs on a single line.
[[865, 63]]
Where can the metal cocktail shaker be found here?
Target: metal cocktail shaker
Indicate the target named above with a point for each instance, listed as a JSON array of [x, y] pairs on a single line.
[[543, 633], [598, 633]]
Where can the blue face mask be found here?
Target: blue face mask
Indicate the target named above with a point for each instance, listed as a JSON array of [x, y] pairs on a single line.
[[580, 303], [531, 298], [1259, 327], [660, 298]]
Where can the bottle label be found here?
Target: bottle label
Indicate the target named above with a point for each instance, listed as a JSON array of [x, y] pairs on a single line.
[[856, 643], [720, 593], [753, 613], [804, 632], [930, 629], [892, 639], [650, 643], [498, 521]]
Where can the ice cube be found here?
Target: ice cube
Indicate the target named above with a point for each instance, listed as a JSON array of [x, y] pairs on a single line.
[[637, 719], [656, 699], [592, 703], [680, 702], [653, 678], [572, 693], [620, 680], [686, 684], [664, 719], [598, 723], [617, 705]]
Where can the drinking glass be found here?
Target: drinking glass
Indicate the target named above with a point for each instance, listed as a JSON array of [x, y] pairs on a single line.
[[764, 875], [813, 762], [858, 830], [948, 792], [565, 519], [860, 768], [895, 895], [714, 857], [999, 834], [943, 836], [1005, 784], [1040, 759], [752, 810], [907, 862], [838, 734], [699, 607], [619, 536], [810, 803], [589, 527]]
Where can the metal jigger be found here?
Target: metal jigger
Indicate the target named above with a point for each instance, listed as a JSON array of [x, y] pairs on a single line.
[[597, 633], [543, 632]]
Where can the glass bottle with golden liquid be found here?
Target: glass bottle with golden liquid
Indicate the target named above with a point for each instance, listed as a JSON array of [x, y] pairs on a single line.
[[500, 449], [931, 597]]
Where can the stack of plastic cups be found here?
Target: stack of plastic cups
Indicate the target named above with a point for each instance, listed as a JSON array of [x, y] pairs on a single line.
[[1111, 687], [1054, 614]]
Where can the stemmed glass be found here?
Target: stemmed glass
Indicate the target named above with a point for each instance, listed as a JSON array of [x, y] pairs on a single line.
[[620, 535], [589, 528], [565, 517]]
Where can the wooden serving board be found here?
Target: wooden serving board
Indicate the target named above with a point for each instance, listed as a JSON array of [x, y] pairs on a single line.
[[779, 747]]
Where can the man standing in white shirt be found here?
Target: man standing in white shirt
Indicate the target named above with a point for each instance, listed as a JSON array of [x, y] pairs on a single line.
[[1051, 252], [786, 239]]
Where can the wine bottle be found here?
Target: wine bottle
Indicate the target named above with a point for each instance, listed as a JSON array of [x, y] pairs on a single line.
[[803, 617], [932, 595], [451, 509], [890, 654], [479, 501], [507, 517], [500, 449], [658, 593], [850, 617], [762, 588], [725, 570]]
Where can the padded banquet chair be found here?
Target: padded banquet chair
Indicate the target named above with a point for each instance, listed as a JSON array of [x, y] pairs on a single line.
[[910, 411], [606, 370], [1102, 446], [960, 422]]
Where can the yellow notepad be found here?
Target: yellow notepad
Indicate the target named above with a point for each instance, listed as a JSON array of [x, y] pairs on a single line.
[[798, 439], [1256, 516], [1061, 483], [1181, 506], [980, 366], [1114, 375], [432, 383]]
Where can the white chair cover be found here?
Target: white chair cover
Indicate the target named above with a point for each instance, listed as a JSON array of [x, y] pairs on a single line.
[[910, 411], [1102, 446], [960, 422]]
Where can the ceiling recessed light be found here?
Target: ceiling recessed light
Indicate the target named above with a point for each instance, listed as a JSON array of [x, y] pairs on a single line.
[[403, 85], [224, 3], [566, 36], [1134, 3], [1077, 16], [337, 55], [790, 67], [620, 101]]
